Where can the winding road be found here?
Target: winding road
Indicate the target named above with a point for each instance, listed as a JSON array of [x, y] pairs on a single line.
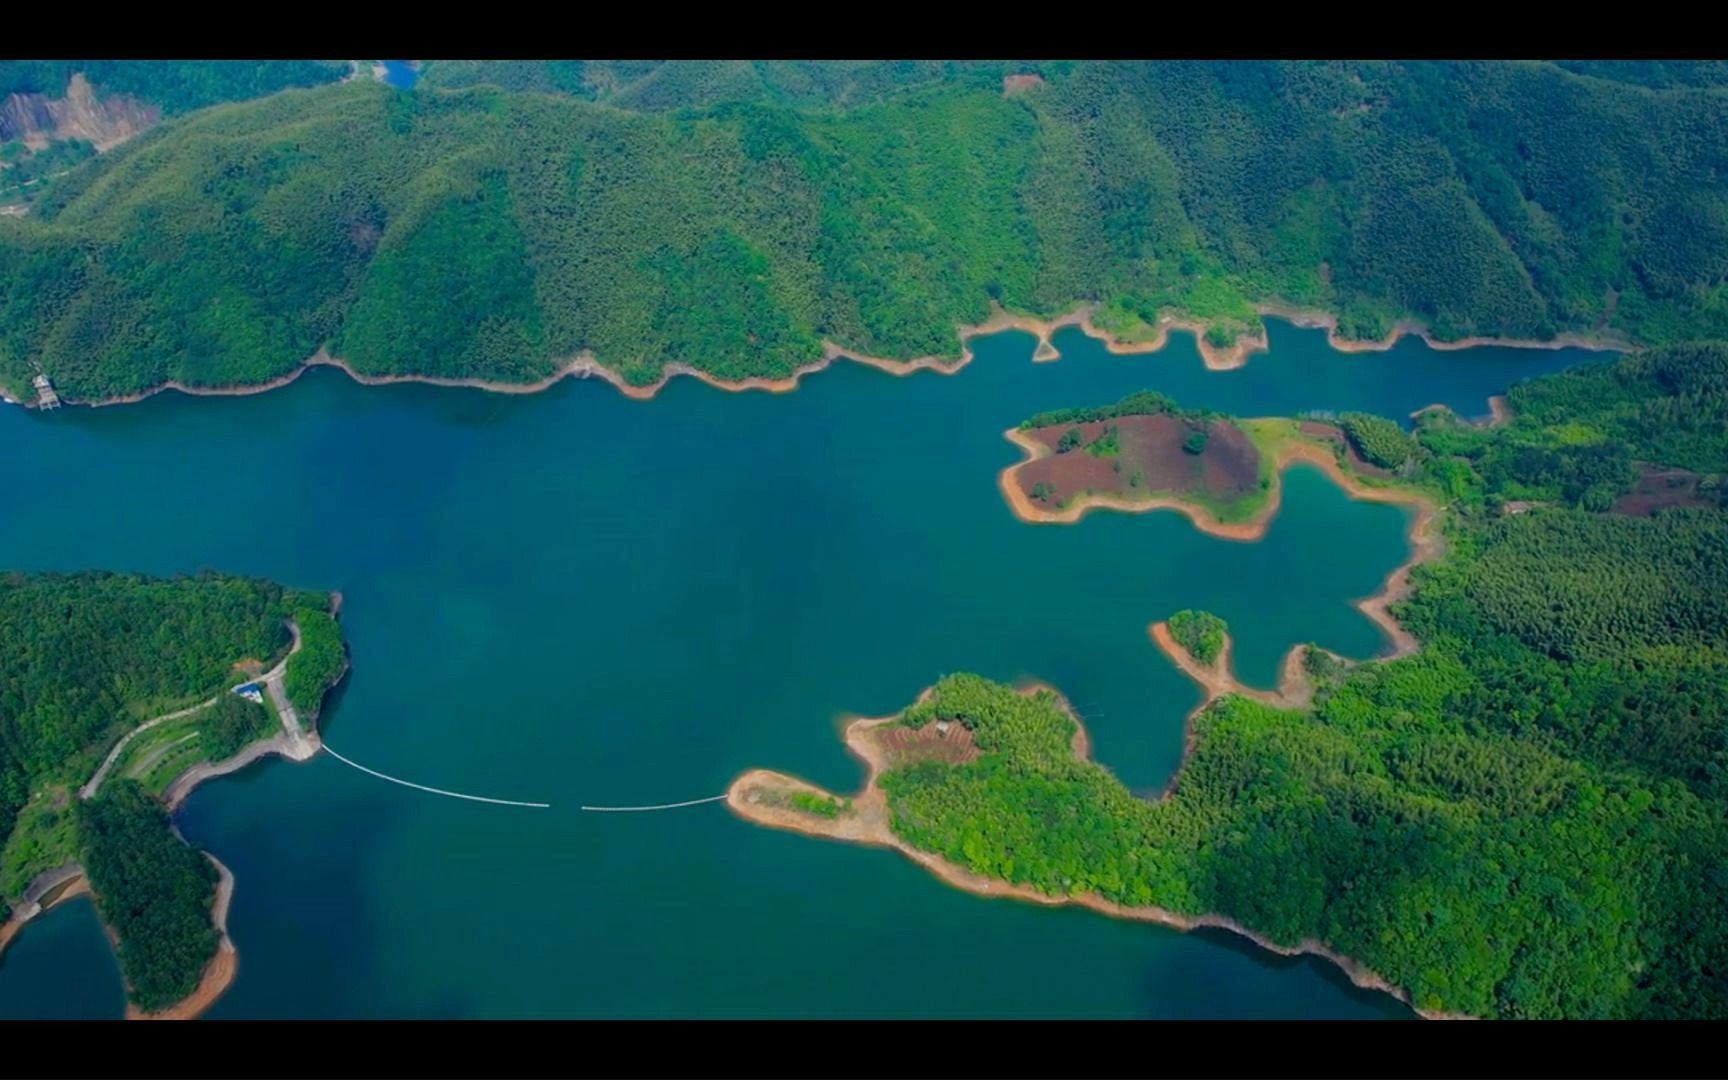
[[298, 746], [89, 790]]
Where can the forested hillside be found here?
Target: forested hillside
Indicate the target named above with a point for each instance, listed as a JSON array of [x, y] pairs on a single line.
[[491, 232], [1527, 818], [666, 85], [84, 658]]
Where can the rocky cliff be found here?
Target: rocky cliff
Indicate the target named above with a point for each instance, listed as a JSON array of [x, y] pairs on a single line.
[[80, 114]]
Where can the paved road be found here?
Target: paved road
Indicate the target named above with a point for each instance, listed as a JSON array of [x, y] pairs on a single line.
[[299, 747], [30, 904], [143, 765], [90, 789]]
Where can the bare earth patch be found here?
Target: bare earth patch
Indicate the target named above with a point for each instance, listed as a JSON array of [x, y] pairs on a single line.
[[1151, 449], [945, 741], [1659, 489]]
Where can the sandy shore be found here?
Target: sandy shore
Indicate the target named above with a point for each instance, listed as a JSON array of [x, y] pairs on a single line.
[[867, 823], [1218, 679], [1499, 412], [587, 365], [218, 973]]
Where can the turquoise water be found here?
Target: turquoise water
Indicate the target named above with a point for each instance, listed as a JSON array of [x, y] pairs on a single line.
[[576, 598], [61, 968], [401, 74]]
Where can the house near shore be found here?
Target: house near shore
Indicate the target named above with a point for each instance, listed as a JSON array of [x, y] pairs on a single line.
[[46, 398]]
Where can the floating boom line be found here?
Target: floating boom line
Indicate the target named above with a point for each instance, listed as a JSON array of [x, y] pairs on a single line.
[[644, 809], [433, 790]]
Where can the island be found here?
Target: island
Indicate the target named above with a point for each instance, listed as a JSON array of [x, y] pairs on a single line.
[[121, 694], [1516, 811]]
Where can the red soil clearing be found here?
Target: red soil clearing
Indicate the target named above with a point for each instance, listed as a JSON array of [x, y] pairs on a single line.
[[942, 740], [1659, 489], [1228, 468]]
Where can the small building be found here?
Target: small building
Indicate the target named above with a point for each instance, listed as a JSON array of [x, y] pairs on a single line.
[[46, 398], [251, 692]]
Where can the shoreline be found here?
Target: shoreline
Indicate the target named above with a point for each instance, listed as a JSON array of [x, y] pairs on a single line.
[[219, 972], [586, 365], [1312, 319], [57, 885], [182, 786], [1425, 541], [68, 881], [868, 824]]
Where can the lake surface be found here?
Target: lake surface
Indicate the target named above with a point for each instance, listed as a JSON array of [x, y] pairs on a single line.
[[576, 598], [401, 74]]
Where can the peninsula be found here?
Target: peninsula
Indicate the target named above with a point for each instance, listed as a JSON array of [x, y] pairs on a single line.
[[1392, 816], [96, 820]]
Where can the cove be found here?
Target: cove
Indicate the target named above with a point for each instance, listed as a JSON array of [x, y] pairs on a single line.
[[578, 598]]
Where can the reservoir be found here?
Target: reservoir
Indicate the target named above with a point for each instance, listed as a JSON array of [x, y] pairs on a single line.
[[576, 598]]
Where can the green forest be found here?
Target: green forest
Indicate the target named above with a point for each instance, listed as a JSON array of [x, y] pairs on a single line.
[[1201, 633], [1139, 403], [83, 659], [1524, 819], [319, 663], [152, 889], [733, 216], [1380, 441]]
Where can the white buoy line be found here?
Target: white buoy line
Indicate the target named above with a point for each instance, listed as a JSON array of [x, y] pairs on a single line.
[[662, 806], [433, 790], [514, 802]]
